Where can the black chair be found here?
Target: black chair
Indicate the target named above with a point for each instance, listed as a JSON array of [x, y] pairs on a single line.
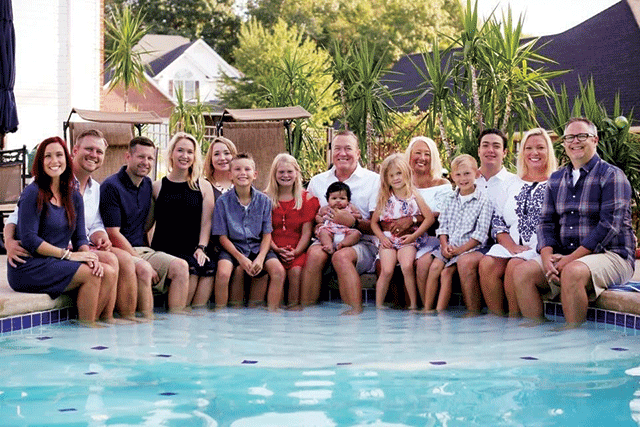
[[13, 176]]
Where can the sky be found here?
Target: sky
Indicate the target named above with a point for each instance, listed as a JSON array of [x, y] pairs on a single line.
[[544, 17]]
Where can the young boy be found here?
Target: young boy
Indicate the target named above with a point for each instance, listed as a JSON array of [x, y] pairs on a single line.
[[464, 226], [242, 220], [333, 236]]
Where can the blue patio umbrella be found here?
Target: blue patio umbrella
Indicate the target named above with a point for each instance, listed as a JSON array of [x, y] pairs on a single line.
[[8, 111]]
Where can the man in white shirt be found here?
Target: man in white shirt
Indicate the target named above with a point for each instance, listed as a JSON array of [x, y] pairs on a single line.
[[351, 261], [493, 180], [87, 157]]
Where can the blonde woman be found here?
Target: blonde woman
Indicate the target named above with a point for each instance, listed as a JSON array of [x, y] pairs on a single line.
[[514, 224], [183, 211], [293, 214], [398, 198], [216, 165]]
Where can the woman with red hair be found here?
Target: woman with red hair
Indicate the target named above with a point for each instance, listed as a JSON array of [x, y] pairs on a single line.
[[51, 215]]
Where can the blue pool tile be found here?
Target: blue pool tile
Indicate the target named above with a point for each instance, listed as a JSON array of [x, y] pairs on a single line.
[[26, 321], [91, 373], [16, 323], [64, 314], [637, 322], [67, 410], [43, 338], [631, 321], [55, 316], [46, 318], [6, 325], [591, 314], [611, 318], [600, 316], [36, 319], [343, 363], [167, 393], [99, 347], [528, 358], [619, 349], [163, 355], [438, 362], [249, 362], [620, 319]]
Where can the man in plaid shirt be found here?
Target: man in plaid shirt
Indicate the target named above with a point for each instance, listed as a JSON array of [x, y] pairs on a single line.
[[585, 238]]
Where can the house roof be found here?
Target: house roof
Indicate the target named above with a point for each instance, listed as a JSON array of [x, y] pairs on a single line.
[[605, 47], [157, 45], [160, 63]]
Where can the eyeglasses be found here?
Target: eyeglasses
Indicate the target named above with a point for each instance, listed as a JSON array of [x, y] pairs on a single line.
[[582, 137]]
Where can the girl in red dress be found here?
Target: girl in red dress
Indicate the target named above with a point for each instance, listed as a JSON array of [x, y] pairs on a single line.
[[293, 214]]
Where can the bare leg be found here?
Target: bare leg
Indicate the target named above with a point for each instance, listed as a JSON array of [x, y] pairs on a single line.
[[108, 287], [446, 287], [422, 272], [145, 273], [179, 276], [351, 238], [491, 271], [526, 279], [277, 274], [574, 279], [326, 240], [127, 289], [191, 289], [223, 277], [88, 291], [433, 280], [509, 287], [258, 290], [203, 291], [236, 297], [406, 256], [344, 262], [312, 275], [467, 265], [294, 275], [388, 258]]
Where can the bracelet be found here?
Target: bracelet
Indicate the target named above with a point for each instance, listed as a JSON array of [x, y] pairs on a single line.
[[202, 247], [66, 254]]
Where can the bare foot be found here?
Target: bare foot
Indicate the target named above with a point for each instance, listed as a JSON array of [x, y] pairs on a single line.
[[429, 311], [85, 324], [352, 311], [471, 313], [567, 327], [381, 307], [185, 311], [114, 321], [531, 323]]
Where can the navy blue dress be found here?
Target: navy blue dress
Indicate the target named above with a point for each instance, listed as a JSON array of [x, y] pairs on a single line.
[[46, 275]]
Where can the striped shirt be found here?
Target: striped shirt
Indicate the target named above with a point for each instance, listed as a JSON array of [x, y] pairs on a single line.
[[462, 219], [595, 213]]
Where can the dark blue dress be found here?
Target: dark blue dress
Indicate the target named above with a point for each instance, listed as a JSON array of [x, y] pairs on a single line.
[[46, 275]]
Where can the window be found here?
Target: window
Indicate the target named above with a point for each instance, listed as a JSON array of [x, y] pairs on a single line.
[[184, 80]]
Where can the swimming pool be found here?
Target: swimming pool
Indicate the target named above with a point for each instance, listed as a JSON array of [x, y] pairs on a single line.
[[315, 368]]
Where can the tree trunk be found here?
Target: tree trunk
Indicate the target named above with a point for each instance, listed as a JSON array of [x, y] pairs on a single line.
[[476, 98]]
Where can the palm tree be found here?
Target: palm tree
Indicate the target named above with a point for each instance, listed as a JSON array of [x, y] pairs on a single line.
[[124, 29]]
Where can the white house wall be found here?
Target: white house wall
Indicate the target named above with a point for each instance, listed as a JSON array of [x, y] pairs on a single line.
[[57, 64]]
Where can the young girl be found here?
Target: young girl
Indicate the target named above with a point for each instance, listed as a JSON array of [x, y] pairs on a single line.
[[333, 236], [292, 218], [398, 198]]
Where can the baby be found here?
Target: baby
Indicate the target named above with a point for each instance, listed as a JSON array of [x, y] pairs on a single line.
[[334, 236]]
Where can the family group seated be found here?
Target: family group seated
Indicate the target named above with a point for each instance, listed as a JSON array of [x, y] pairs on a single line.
[[205, 236]]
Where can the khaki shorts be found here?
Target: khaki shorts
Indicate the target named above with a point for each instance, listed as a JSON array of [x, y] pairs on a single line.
[[160, 262], [366, 252], [606, 269]]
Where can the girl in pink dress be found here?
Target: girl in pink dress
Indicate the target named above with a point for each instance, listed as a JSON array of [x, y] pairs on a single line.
[[398, 198]]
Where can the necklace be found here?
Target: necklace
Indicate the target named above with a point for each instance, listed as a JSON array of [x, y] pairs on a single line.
[[285, 211]]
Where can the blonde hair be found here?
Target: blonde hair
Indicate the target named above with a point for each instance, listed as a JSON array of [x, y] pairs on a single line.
[[463, 159], [208, 167], [394, 160], [552, 162], [195, 170], [435, 167], [272, 186]]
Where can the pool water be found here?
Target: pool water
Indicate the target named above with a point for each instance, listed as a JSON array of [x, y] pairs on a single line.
[[251, 368]]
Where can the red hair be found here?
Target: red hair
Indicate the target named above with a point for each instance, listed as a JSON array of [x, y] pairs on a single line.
[[43, 180]]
